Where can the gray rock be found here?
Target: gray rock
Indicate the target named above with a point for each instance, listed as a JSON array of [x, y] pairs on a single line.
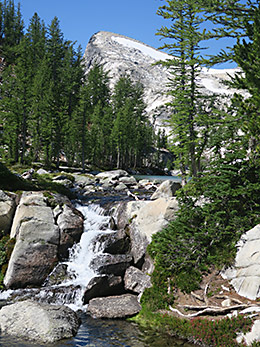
[[42, 172], [136, 281], [121, 306], [38, 322], [114, 243], [245, 274], [128, 181], [70, 223], [167, 189], [7, 209], [36, 248], [103, 286], [120, 186], [112, 175], [84, 180], [111, 264]]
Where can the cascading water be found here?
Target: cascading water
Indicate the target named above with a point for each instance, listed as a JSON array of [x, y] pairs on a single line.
[[70, 291], [81, 254]]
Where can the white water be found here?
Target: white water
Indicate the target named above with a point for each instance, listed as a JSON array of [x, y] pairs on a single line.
[[80, 256]]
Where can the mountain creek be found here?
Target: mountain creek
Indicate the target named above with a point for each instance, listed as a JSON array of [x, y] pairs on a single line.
[[79, 267]]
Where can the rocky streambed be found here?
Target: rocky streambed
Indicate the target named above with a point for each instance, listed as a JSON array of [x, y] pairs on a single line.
[[79, 254]]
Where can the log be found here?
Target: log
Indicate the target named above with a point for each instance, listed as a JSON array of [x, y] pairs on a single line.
[[209, 310]]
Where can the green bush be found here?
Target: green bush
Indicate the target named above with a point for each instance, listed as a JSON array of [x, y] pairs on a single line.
[[214, 210]]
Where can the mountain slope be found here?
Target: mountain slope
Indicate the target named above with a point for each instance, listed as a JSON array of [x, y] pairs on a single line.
[[122, 55]]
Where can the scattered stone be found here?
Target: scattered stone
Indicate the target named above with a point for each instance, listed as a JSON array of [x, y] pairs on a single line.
[[42, 172], [38, 322], [121, 306]]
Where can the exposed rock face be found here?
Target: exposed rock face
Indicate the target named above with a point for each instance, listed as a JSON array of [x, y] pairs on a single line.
[[245, 274], [7, 208], [37, 239], [38, 322], [70, 223], [121, 306], [167, 189], [122, 55]]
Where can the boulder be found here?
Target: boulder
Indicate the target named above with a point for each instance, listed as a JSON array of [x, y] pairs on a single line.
[[244, 275], [37, 239], [42, 172], [114, 174], [148, 219], [114, 243], [70, 223], [83, 180], [120, 186], [121, 306], [128, 181], [167, 189], [40, 323], [136, 281], [7, 209], [111, 264], [103, 286]]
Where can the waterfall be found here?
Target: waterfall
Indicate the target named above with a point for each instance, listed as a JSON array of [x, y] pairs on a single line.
[[70, 292], [81, 254]]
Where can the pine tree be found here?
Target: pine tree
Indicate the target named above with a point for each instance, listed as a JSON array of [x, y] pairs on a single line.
[[189, 108]]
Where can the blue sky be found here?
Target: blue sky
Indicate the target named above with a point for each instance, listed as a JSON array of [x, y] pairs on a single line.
[[80, 19]]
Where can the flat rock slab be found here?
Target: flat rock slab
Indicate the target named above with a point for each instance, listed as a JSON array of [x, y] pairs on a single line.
[[245, 274], [121, 306], [38, 322]]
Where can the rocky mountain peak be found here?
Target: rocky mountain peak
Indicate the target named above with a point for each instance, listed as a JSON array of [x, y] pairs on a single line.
[[122, 55]]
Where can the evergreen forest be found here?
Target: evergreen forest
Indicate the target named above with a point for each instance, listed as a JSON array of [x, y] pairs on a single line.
[[50, 111]]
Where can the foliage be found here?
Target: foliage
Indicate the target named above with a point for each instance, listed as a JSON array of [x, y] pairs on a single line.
[[10, 181], [215, 333], [214, 211]]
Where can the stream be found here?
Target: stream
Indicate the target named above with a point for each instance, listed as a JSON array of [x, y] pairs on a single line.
[[92, 332]]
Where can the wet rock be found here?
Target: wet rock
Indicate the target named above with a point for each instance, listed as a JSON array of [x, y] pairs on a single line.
[[114, 243], [136, 281], [57, 276], [121, 306], [167, 189], [70, 223], [103, 286], [109, 264], [38, 322], [7, 209]]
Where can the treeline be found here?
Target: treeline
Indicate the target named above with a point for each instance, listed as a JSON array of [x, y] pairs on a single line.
[[50, 111]]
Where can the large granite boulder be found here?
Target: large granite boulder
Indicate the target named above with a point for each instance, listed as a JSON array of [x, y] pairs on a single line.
[[114, 243], [167, 189], [7, 209], [147, 219], [70, 223], [244, 275], [112, 175], [101, 286], [121, 306], [37, 238], [40, 323]]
